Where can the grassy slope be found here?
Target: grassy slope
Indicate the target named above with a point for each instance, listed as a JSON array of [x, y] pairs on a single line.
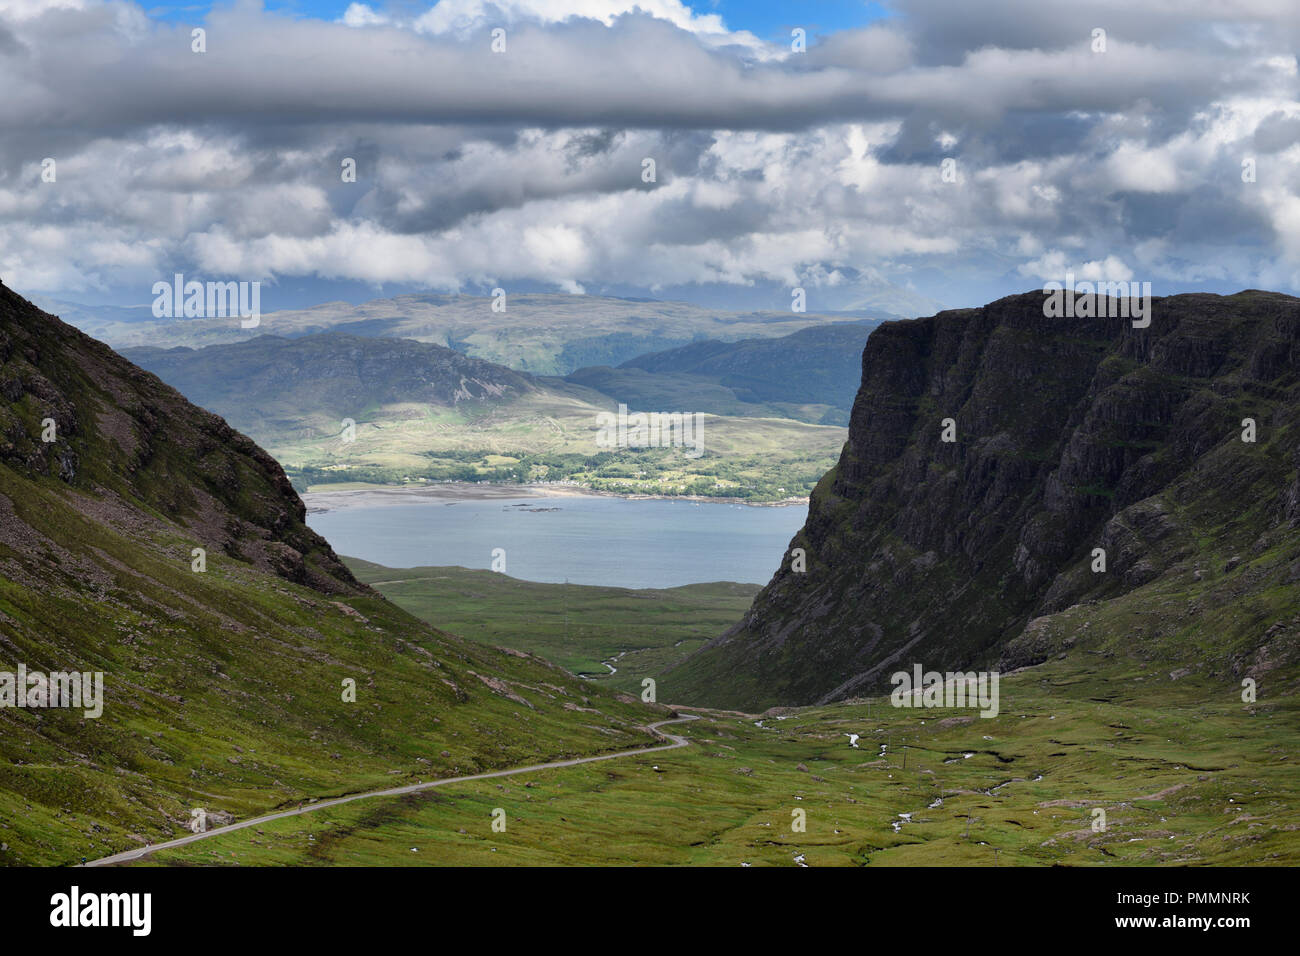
[[574, 626], [223, 688], [1204, 613], [1185, 772], [224, 692]]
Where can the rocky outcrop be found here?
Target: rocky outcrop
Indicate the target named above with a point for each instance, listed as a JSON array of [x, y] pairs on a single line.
[[75, 410], [1068, 435]]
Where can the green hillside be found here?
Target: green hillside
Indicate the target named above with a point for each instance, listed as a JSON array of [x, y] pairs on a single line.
[[812, 374], [578, 627], [223, 687], [1185, 774]]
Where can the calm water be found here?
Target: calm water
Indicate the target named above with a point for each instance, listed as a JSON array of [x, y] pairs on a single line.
[[611, 541]]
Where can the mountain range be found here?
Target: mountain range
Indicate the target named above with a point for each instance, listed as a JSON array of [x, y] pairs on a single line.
[[542, 333], [270, 385], [809, 375], [333, 407]]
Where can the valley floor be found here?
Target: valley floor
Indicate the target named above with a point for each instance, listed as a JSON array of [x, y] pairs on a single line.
[[1183, 770], [620, 635]]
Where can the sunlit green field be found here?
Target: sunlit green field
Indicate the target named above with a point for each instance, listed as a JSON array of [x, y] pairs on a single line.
[[1183, 770], [548, 436], [642, 631]]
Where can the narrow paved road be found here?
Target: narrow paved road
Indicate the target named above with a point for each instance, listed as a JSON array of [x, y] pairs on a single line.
[[130, 855]]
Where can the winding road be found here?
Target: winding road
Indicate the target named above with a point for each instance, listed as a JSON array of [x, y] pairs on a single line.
[[137, 854]]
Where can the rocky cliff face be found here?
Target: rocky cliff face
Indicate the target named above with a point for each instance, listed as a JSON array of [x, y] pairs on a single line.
[[1069, 435]]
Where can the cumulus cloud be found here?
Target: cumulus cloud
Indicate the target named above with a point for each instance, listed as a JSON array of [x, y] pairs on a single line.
[[975, 145], [465, 17]]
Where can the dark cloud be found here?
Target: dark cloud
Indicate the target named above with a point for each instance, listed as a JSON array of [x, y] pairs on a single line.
[[1277, 131], [771, 167]]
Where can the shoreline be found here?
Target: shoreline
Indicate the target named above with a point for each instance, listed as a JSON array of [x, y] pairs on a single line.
[[370, 496]]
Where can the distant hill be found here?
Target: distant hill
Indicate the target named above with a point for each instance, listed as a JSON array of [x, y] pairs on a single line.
[[1070, 435], [809, 375], [223, 682], [270, 385], [638, 388], [820, 364], [420, 411], [546, 334]]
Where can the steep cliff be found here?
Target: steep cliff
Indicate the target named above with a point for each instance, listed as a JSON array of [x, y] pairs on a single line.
[[1069, 435]]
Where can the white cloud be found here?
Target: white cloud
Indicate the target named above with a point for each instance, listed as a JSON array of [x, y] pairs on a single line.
[[463, 17], [821, 169], [362, 15], [19, 10]]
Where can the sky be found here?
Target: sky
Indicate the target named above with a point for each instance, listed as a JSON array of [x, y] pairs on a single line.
[[899, 157], [765, 19]]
